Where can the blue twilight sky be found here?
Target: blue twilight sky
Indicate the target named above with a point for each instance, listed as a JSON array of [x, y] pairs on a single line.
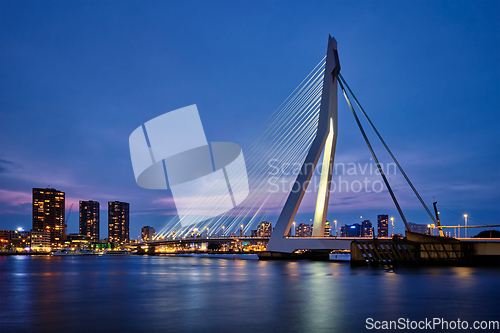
[[77, 77]]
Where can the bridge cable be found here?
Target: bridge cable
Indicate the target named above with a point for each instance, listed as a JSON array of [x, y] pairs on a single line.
[[293, 142], [282, 126], [461, 215], [375, 158], [291, 146], [389, 151]]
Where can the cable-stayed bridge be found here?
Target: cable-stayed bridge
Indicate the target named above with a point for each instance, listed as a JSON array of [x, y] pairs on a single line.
[[272, 155], [281, 158]]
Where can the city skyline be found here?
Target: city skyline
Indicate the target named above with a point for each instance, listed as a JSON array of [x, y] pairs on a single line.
[[70, 97]]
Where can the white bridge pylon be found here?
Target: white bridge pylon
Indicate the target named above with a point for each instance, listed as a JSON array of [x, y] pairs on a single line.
[[326, 139]]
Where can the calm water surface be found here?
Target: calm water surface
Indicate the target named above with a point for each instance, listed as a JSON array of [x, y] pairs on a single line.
[[187, 294]]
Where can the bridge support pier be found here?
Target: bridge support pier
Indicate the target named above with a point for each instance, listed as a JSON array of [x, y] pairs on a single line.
[[420, 249]]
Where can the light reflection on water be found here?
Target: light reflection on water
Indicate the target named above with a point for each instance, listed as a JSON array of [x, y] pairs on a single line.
[[149, 294]]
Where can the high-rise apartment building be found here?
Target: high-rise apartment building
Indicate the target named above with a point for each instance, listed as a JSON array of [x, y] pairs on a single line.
[[118, 222], [383, 226], [49, 215], [89, 220]]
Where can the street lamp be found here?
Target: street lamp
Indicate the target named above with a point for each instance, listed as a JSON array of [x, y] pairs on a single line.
[[294, 230], [465, 215], [336, 232], [223, 227], [392, 223]]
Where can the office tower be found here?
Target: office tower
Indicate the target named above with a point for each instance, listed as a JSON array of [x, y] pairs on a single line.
[[366, 228], [327, 229], [264, 229], [89, 219], [383, 226], [147, 233], [118, 222], [49, 215]]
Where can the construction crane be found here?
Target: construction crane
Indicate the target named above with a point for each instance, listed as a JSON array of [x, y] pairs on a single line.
[[438, 222]]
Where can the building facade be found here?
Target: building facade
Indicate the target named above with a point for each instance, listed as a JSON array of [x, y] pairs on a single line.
[[89, 220], [383, 226], [147, 233], [78, 241], [420, 228], [49, 214], [20, 240], [118, 222], [351, 230], [327, 229], [303, 230], [40, 241], [366, 228], [5, 240], [264, 229]]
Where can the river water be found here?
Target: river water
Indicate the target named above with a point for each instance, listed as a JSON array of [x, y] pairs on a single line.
[[192, 294]]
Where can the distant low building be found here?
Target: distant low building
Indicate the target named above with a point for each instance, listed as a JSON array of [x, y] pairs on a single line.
[[366, 228], [327, 229], [147, 233], [77, 240], [264, 229], [40, 241], [20, 239], [5, 239], [419, 228], [101, 244], [303, 230], [352, 230]]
